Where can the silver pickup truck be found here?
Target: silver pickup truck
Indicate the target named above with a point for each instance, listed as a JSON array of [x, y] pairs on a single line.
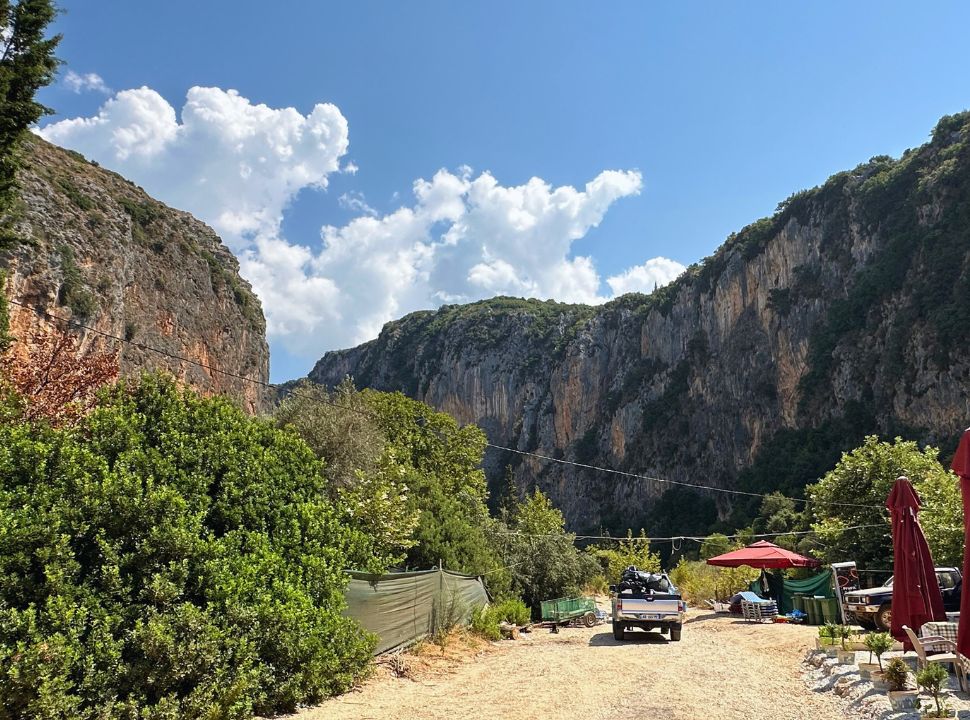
[[648, 601]]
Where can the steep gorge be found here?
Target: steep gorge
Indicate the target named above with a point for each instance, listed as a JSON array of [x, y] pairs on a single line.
[[87, 245], [845, 313]]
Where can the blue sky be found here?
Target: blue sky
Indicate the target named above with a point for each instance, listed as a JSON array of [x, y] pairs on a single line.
[[723, 109]]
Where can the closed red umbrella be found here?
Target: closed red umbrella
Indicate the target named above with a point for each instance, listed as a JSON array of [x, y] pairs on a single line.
[[763, 554], [961, 466], [916, 593]]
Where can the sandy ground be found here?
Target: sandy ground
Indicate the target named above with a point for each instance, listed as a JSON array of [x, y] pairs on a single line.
[[723, 668]]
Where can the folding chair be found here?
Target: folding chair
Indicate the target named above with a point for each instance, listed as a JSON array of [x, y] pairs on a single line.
[[954, 658]]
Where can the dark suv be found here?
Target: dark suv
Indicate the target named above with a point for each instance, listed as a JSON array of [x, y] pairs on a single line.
[[872, 608]]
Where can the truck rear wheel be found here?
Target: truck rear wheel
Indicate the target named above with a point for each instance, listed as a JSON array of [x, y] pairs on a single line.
[[884, 617], [617, 631], [675, 633]]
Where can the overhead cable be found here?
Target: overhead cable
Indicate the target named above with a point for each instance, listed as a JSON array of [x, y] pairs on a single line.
[[269, 386]]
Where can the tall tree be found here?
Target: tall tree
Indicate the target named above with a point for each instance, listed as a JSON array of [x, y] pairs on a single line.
[[27, 63], [854, 493]]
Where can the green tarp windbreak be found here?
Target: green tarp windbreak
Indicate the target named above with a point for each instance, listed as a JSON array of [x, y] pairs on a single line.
[[402, 608]]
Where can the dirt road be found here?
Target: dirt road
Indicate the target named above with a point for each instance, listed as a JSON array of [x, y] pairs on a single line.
[[723, 668]]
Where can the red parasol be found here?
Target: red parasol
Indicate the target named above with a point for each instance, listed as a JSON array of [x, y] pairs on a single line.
[[916, 592], [961, 466], [763, 554]]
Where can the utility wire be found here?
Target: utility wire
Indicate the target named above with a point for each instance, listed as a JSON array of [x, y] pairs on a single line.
[[649, 478], [693, 538], [269, 386]]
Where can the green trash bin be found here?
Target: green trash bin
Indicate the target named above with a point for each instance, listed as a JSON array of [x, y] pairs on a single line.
[[811, 607], [830, 610]]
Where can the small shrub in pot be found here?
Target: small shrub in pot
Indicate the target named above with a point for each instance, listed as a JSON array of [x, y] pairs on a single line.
[[878, 644], [932, 679], [896, 674]]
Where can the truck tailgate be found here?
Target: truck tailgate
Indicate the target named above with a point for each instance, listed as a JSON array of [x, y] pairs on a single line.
[[652, 608]]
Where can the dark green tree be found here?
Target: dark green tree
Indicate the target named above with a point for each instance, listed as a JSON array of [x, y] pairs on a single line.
[[27, 63], [854, 494], [540, 556], [716, 544], [364, 476], [448, 488], [169, 557]]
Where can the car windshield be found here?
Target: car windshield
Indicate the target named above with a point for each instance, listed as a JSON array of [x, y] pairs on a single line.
[[945, 579]]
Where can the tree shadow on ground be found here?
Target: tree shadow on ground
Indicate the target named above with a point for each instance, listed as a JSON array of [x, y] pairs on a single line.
[[631, 637], [705, 617]]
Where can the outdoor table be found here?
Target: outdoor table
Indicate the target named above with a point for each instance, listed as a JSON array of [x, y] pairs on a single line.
[[946, 630]]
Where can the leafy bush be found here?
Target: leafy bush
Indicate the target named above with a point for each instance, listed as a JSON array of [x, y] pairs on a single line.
[[932, 679], [896, 674], [844, 633], [363, 473], [446, 615], [697, 581], [485, 623], [878, 644], [169, 557], [446, 485], [73, 292], [75, 195], [596, 585], [486, 619], [626, 552], [512, 610]]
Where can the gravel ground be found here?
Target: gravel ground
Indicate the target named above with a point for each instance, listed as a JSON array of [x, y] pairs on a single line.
[[724, 668], [826, 675]]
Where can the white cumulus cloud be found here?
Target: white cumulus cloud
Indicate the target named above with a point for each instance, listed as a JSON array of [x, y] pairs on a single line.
[[655, 272], [233, 163], [82, 82], [461, 237]]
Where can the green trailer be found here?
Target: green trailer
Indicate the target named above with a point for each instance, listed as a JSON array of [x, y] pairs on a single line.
[[563, 611]]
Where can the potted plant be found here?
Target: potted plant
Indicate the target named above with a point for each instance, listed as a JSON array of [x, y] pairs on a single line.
[[932, 679], [877, 644], [845, 655], [896, 674], [829, 638], [823, 634]]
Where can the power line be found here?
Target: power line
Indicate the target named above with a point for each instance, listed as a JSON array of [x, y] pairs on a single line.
[[633, 476], [692, 538], [637, 476]]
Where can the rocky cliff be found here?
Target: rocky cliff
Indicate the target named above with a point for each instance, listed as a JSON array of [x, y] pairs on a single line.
[[845, 313], [85, 244]]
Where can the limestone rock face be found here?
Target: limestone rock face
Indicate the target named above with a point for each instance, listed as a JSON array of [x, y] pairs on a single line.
[[94, 248], [846, 313]]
